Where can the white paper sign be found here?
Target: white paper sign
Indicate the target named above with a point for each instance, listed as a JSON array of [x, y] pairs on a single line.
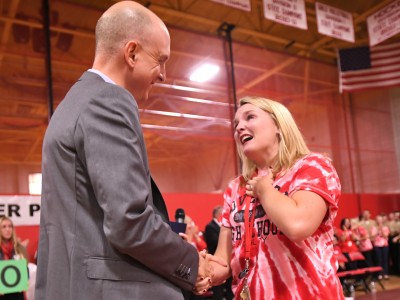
[[334, 22], [240, 4], [384, 24], [287, 12], [22, 210]]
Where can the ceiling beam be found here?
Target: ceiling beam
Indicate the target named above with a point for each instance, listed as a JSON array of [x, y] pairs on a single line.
[[160, 10], [81, 33], [173, 52], [35, 145], [267, 74], [7, 26]]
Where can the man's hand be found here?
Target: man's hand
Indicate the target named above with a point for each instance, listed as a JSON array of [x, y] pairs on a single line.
[[209, 266]]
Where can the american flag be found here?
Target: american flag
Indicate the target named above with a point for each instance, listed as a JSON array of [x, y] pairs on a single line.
[[363, 68]]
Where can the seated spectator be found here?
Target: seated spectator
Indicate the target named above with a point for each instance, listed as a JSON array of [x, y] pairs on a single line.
[[365, 244], [348, 240], [10, 248], [380, 239], [341, 259], [394, 237], [194, 236], [366, 221]]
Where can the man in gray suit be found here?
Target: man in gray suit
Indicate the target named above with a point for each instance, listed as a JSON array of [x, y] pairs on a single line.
[[104, 230]]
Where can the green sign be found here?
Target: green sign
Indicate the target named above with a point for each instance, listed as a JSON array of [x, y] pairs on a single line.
[[13, 276]]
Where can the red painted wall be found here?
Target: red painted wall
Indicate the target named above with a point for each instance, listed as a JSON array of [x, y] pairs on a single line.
[[199, 207], [351, 205], [31, 233]]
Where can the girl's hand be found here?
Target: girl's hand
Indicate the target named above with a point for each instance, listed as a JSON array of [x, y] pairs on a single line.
[[257, 185]]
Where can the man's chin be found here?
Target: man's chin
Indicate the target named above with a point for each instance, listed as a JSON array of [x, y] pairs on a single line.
[[146, 96], [141, 98]]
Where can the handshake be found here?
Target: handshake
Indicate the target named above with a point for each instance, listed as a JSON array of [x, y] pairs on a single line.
[[212, 271]]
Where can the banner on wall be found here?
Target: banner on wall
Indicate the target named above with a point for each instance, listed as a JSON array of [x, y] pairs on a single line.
[[384, 24], [287, 12], [240, 4], [334, 22], [22, 210]]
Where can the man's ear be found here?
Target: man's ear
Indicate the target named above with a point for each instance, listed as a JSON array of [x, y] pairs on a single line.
[[130, 51]]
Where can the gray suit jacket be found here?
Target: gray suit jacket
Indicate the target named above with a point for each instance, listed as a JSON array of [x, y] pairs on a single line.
[[103, 230]]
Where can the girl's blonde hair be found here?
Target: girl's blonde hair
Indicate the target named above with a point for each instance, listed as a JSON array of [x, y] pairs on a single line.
[[291, 142], [18, 248]]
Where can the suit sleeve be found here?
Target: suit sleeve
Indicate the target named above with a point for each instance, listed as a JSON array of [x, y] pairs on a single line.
[[112, 144], [43, 248]]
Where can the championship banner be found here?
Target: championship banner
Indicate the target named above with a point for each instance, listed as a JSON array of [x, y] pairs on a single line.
[[240, 4], [287, 12], [22, 210], [13, 276], [334, 22], [384, 24]]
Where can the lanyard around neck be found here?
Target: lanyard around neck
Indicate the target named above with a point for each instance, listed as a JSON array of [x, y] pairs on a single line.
[[248, 226]]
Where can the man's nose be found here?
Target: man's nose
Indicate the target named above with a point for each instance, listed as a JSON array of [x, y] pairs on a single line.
[[163, 74]]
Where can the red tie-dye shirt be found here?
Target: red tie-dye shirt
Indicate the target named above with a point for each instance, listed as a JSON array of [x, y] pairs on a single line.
[[279, 268]]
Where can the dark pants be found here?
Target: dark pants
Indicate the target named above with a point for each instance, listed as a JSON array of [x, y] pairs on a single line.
[[369, 257], [12, 296], [223, 291], [394, 253], [190, 296], [382, 258]]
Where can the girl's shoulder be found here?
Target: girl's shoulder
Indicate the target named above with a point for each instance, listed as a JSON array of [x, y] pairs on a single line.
[[316, 156], [314, 159], [237, 182]]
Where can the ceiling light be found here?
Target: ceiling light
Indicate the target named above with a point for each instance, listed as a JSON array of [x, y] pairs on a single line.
[[204, 72]]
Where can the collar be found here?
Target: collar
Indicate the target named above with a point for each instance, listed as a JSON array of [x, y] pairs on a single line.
[[216, 221], [102, 75]]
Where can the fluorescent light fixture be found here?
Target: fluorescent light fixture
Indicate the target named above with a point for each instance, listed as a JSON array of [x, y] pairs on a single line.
[[204, 72], [35, 184]]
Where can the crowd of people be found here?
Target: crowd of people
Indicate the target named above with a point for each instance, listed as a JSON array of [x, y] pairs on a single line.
[[377, 239]]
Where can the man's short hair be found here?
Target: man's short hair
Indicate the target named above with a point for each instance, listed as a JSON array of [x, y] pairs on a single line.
[[216, 210]]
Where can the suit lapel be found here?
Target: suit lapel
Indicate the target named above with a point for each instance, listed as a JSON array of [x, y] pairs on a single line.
[[158, 201]]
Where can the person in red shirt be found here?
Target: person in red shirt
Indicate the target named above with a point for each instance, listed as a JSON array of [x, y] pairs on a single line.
[[277, 221], [194, 235], [10, 248], [365, 244], [348, 240]]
